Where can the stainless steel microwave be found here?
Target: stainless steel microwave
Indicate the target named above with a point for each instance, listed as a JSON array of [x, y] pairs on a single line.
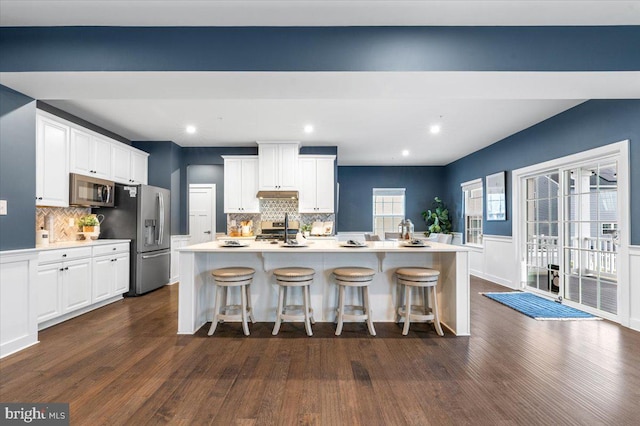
[[90, 192]]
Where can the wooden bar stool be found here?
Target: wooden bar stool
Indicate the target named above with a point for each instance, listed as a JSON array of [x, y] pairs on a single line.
[[294, 277], [360, 278], [225, 278], [424, 278]]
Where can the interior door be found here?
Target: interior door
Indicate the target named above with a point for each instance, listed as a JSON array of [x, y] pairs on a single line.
[[202, 221]]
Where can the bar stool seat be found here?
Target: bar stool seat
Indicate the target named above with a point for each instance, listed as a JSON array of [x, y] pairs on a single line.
[[225, 278], [427, 279], [359, 278], [294, 277]]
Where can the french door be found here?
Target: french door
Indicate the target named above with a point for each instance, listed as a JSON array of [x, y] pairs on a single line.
[[571, 234]]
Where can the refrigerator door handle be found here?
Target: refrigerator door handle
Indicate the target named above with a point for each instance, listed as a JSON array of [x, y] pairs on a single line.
[[155, 255], [161, 228]]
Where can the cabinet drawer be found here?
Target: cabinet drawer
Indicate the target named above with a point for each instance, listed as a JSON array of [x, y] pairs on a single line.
[[110, 249], [47, 256]]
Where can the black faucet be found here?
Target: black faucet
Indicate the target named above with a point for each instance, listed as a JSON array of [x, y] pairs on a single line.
[[286, 228]]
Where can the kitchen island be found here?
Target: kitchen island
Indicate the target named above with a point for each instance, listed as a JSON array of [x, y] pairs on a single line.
[[196, 292]]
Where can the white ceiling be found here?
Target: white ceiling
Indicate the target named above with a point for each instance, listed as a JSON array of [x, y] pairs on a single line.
[[370, 116], [316, 13]]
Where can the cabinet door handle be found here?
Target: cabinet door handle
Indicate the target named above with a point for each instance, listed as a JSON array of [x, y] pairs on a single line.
[[62, 269], [64, 255], [66, 268]]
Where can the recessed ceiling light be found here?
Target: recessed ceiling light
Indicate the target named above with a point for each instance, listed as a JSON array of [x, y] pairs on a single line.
[[191, 129], [405, 152], [434, 129], [308, 128]]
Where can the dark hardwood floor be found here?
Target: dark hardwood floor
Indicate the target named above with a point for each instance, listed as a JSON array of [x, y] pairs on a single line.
[[124, 365]]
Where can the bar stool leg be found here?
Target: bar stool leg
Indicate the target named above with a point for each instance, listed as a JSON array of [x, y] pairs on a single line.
[[367, 309], [243, 298], [249, 307], [214, 322], [276, 327], [436, 316], [307, 313], [407, 309], [340, 309]]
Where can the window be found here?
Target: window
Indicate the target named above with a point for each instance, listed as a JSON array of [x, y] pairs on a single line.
[[388, 210], [472, 193]]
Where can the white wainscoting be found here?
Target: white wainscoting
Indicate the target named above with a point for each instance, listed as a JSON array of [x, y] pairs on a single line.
[[495, 261], [177, 241], [634, 287], [18, 304]]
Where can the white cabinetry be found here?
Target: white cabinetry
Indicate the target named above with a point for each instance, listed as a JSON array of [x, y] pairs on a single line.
[[63, 281], [317, 184], [52, 165], [110, 271], [129, 165], [241, 184], [76, 288], [278, 165], [89, 155], [72, 281]]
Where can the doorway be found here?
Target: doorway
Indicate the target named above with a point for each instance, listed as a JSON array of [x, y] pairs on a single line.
[[570, 229], [202, 213]]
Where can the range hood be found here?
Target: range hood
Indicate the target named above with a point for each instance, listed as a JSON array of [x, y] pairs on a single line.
[[267, 195]]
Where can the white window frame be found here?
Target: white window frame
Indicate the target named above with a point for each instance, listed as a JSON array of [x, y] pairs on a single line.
[[467, 187], [398, 192]]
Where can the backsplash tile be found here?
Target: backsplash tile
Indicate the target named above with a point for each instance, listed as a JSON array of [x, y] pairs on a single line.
[[62, 230], [274, 210]]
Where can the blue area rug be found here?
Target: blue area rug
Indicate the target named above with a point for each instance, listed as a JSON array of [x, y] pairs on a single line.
[[538, 307]]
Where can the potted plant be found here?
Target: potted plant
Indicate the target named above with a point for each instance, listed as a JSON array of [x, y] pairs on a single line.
[[438, 219], [88, 223], [306, 230]]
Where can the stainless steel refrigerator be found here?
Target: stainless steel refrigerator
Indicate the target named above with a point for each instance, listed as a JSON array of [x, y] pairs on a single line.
[[142, 214]]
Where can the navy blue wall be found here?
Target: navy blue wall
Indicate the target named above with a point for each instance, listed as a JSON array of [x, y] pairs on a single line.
[[320, 48], [589, 125], [164, 171], [357, 182], [17, 169]]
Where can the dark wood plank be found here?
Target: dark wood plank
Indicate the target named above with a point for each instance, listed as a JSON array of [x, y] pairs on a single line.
[[124, 364]]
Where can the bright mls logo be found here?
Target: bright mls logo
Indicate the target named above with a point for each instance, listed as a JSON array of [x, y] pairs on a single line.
[[53, 414]]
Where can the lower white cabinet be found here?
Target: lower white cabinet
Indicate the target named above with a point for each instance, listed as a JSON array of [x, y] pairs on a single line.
[[76, 293], [110, 276], [63, 287], [72, 281]]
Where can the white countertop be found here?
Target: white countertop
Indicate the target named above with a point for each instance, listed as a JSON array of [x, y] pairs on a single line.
[[320, 246], [80, 243]]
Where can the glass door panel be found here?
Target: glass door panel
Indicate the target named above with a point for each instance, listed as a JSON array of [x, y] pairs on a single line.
[[590, 232], [543, 256]]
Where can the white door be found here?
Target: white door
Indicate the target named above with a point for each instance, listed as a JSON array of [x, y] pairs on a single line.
[[121, 266], [324, 185], [202, 216], [76, 285], [102, 277]]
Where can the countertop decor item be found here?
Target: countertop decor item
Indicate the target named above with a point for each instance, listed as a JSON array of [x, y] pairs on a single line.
[[88, 223]]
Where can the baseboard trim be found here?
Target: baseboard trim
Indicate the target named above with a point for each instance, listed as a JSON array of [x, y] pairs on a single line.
[[494, 279], [10, 348], [69, 315]]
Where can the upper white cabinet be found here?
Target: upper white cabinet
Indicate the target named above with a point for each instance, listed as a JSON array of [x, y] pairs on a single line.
[[241, 184], [63, 147], [316, 184], [52, 165], [89, 155], [278, 165], [129, 166]]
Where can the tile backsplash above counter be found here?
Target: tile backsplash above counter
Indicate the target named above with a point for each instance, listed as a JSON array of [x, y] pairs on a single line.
[[274, 210], [62, 231]]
